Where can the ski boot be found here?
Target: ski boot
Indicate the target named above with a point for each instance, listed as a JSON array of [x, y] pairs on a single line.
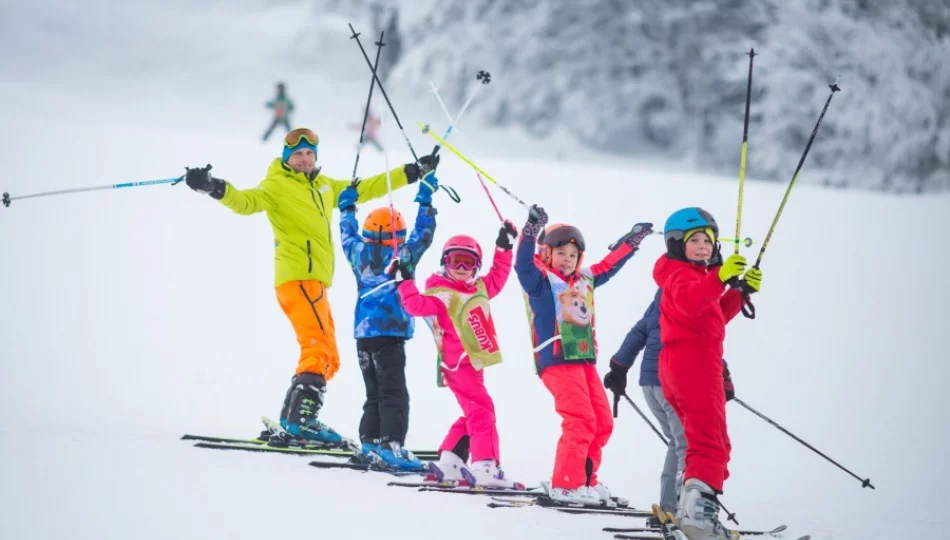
[[450, 468], [392, 455], [580, 495], [488, 474], [306, 400], [606, 498], [698, 513]]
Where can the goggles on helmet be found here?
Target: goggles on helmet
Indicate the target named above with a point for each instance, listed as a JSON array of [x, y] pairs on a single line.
[[461, 260], [564, 235]]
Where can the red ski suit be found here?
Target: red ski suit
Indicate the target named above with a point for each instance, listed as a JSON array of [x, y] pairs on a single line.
[[693, 314]]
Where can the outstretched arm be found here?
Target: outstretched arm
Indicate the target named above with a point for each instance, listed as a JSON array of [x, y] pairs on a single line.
[[250, 201], [372, 187], [611, 264], [498, 274], [350, 235]]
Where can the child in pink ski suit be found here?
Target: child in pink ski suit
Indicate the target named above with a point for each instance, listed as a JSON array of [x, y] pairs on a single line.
[[455, 305]]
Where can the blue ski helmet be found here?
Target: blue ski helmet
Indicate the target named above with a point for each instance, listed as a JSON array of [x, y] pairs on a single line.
[[682, 222]]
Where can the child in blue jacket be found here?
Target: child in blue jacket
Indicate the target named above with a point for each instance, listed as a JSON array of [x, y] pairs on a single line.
[[645, 336], [381, 326]]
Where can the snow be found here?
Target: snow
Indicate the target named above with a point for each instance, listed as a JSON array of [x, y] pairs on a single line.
[[133, 316]]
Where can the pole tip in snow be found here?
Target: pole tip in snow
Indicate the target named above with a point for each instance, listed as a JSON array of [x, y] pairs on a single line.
[[483, 76], [6, 199]]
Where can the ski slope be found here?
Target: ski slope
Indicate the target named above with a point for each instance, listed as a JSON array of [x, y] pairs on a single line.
[[132, 316]]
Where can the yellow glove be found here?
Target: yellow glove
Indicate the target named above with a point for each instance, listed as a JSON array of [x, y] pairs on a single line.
[[732, 268], [753, 279]]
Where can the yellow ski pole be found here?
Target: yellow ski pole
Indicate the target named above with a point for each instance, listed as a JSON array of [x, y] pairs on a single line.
[[426, 129], [745, 147]]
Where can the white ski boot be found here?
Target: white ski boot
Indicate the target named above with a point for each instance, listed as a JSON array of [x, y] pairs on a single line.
[[698, 513], [488, 474], [450, 468], [606, 497], [582, 495]]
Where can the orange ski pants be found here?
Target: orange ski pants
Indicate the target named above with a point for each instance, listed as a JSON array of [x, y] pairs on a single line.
[[587, 422], [306, 305]]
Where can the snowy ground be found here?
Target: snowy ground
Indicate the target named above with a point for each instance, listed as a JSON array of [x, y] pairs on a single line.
[[132, 316]]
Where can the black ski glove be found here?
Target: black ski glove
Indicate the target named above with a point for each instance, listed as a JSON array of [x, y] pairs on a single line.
[[416, 171], [201, 180], [399, 271], [727, 384], [505, 235], [616, 380]]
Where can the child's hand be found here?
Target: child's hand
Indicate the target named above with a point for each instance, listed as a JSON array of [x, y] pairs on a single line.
[[428, 185], [727, 384], [752, 280], [507, 230], [732, 268], [347, 200], [634, 236], [537, 219], [398, 271]]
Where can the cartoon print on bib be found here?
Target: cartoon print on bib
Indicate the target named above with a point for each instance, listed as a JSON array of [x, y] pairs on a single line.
[[574, 305]]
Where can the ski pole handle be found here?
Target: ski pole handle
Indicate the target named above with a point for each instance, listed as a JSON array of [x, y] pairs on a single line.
[[616, 405]]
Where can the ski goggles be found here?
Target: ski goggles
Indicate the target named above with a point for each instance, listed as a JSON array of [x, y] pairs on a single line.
[[295, 137], [562, 235], [461, 260]]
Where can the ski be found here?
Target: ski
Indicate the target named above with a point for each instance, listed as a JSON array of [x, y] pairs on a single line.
[[264, 448], [772, 532], [570, 508], [428, 483], [364, 467], [207, 438], [520, 490]]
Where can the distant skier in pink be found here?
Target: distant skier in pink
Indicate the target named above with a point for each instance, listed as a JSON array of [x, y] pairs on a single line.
[[371, 135]]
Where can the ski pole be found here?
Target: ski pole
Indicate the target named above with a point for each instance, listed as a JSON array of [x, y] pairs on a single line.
[[7, 199], [448, 189], [747, 241], [425, 129], [745, 148], [729, 515], [645, 419], [482, 78], [865, 482], [389, 192], [382, 90], [452, 124], [369, 99], [834, 88]]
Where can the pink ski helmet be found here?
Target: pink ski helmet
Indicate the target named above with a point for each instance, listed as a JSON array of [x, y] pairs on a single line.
[[462, 242]]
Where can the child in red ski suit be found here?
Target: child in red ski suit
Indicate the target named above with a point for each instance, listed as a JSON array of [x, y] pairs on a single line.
[[560, 297], [455, 305], [695, 306]]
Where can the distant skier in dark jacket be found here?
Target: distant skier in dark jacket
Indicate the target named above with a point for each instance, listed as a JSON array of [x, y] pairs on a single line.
[[283, 107]]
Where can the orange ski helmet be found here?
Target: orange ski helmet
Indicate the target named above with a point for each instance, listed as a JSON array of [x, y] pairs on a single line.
[[378, 226]]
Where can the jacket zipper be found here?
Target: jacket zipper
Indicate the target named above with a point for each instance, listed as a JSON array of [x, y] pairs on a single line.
[[323, 213], [309, 259]]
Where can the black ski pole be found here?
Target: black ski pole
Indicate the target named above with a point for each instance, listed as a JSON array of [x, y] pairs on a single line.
[[645, 419], [834, 88], [382, 90], [729, 515], [369, 99], [865, 482]]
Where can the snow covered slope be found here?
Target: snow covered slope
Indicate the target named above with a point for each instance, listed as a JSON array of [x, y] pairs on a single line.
[[132, 316]]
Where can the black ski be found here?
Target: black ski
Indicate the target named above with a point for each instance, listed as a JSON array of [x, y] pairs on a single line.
[[475, 490], [570, 508], [773, 532], [264, 448], [364, 467]]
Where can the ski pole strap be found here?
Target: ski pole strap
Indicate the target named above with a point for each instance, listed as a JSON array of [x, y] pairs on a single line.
[[748, 309], [450, 191]]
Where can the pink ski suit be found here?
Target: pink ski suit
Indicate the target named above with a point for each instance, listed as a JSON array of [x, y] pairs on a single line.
[[456, 369]]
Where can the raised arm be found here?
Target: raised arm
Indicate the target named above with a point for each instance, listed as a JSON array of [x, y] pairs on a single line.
[[350, 227], [620, 253], [531, 277], [421, 237]]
